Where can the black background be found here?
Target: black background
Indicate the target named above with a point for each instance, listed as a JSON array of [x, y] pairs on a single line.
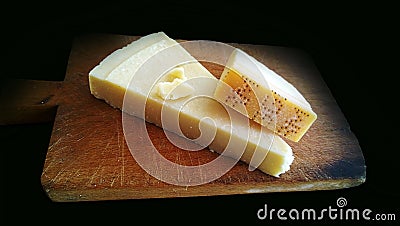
[[354, 47]]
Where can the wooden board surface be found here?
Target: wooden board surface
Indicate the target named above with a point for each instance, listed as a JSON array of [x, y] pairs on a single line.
[[88, 158]]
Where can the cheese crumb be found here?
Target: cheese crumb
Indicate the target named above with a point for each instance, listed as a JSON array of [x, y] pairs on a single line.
[[174, 88]]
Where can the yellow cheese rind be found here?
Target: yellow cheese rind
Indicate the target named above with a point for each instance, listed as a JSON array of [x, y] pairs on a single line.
[[275, 104], [278, 154]]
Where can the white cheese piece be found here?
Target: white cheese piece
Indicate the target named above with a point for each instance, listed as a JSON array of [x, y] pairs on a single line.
[[140, 76]]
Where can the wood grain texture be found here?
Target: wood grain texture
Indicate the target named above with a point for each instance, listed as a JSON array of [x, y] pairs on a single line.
[[88, 158]]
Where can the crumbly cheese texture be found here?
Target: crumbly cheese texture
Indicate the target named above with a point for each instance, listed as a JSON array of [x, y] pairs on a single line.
[[125, 72], [174, 87], [267, 98]]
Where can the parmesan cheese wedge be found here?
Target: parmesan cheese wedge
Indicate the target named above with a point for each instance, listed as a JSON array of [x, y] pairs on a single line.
[[268, 98], [133, 77]]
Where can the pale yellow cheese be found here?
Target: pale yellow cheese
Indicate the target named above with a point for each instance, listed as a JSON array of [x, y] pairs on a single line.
[[139, 77], [105, 79], [265, 97]]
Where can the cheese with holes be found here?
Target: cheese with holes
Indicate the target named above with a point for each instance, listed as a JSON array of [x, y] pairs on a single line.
[[265, 97], [152, 63]]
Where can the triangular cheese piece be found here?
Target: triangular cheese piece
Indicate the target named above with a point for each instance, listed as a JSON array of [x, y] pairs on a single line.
[[264, 96]]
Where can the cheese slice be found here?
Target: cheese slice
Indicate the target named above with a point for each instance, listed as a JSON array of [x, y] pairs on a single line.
[[267, 98], [197, 113]]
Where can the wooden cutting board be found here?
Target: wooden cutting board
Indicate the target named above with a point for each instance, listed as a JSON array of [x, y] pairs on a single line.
[[88, 158]]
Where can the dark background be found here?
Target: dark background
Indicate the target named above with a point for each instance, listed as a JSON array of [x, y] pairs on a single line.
[[354, 47]]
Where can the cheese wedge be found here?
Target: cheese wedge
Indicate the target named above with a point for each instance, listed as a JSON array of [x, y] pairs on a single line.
[[267, 98], [145, 72]]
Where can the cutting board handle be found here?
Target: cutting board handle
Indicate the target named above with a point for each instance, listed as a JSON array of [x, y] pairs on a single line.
[[28, 101]]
